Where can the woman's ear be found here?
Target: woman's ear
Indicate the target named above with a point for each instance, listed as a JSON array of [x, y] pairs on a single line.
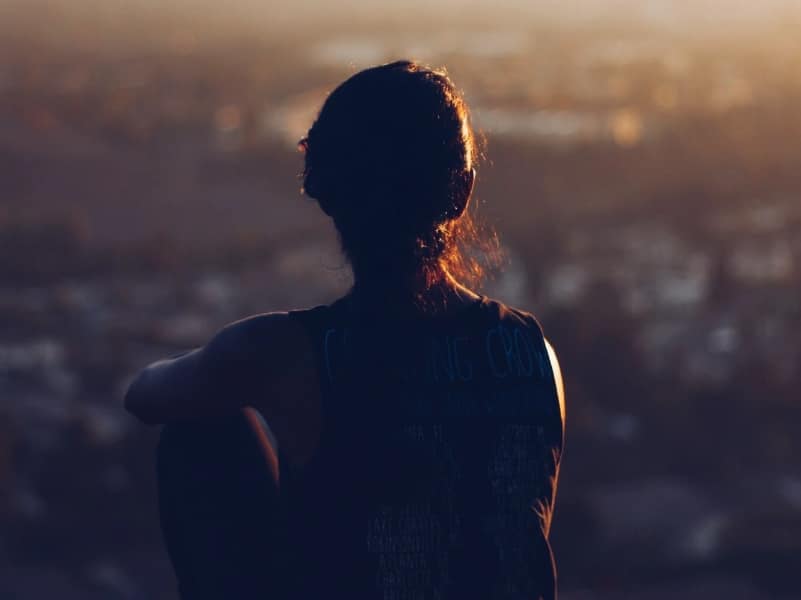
[[461, 196]]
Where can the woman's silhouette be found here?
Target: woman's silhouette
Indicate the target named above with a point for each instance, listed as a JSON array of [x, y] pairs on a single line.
[[417, 426]]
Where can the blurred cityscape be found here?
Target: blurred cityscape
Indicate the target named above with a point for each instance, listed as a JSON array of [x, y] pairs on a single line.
[[645, 181]]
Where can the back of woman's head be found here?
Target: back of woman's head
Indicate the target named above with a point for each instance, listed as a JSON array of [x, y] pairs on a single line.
[[391, 159]]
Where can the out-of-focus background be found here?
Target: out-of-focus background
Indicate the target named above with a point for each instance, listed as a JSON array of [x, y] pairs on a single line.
[[643, 172]]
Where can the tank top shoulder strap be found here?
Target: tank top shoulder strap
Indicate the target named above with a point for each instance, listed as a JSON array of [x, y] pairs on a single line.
[[317, 320], [321, 324]]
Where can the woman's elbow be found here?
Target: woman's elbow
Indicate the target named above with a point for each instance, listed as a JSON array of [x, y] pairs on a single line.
[[137, 401]]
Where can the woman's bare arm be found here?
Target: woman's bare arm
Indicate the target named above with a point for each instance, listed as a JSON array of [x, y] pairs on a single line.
[[265, 362], [238, 366], [557, 376]]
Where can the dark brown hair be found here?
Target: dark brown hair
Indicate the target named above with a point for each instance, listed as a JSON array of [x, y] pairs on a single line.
[[391, 159]]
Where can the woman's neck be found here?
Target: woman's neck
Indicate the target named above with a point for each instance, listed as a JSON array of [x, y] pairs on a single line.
[[414, 291]]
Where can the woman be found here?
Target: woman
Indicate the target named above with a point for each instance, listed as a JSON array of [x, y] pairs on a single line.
[[419, 425]]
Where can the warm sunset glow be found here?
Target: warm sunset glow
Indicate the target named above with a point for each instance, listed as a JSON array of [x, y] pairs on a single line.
[[627, 127], [640, 188]]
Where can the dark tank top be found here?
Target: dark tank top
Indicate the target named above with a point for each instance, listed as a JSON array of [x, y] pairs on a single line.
[[434, 476]]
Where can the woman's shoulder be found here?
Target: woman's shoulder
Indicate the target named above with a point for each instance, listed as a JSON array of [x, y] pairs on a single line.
[[247, 330], [272, 323], [268, 336]]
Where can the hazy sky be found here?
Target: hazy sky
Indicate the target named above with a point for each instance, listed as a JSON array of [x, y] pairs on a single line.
[[668, 13]]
